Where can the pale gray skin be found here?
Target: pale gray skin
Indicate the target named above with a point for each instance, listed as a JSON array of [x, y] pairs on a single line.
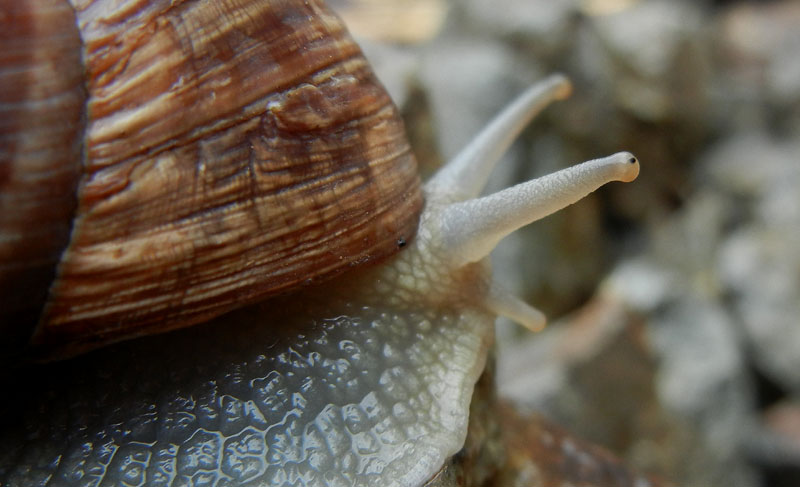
[[364, 381]]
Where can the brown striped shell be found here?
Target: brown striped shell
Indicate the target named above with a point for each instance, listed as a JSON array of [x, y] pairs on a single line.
[[165, 161]]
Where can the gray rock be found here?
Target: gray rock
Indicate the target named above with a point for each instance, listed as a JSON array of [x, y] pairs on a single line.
[[652, 44], [761, 267], [545, 22], [759, 262], [468, 81]]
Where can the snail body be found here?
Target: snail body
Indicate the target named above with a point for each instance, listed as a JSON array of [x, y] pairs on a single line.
[[363, 380]]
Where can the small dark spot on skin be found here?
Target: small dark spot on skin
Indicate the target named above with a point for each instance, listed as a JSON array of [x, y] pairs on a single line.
[[401, 242], [632, 160]]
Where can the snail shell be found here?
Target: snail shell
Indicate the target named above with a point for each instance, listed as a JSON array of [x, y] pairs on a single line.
[[203, 155]]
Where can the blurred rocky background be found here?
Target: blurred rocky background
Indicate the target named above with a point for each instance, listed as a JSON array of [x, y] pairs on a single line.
[[674, 300]]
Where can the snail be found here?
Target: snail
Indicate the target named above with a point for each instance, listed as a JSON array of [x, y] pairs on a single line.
[[364, 379]]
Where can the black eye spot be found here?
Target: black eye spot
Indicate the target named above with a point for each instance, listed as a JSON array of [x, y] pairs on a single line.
[[632, 160], [401, 242]]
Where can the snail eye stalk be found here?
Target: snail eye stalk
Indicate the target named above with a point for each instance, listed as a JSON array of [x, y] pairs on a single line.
[[469, 227]]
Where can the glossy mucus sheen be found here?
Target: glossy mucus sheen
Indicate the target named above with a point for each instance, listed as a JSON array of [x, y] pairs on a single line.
[[363, 381], [233, 150], [355, 394]]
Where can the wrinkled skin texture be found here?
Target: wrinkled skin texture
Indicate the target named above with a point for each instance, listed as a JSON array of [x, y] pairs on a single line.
[[315, 389]]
